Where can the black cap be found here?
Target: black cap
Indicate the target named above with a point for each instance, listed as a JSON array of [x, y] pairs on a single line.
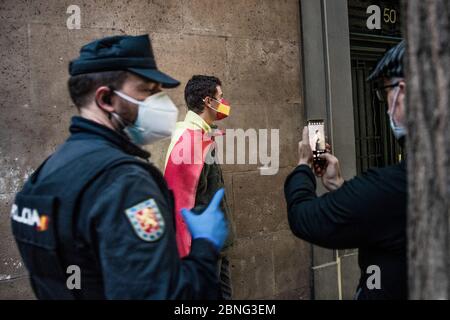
[[391, 65], [131, 53]]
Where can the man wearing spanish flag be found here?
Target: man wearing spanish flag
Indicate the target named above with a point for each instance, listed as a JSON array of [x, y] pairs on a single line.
[[190, 169]]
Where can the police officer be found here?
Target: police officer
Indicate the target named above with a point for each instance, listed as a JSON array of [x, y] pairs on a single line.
[[97, 209]]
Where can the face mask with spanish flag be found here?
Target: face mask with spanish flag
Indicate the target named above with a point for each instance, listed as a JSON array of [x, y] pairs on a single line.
[[223, 109]]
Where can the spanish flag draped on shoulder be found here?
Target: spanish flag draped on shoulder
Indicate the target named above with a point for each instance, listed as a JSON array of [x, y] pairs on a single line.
[[191, 144]]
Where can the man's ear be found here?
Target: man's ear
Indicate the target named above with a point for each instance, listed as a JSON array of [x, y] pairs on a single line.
[[206, 104], [207, 101], [103, 97]]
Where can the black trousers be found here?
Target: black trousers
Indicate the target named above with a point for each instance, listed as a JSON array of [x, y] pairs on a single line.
[[224, 277]]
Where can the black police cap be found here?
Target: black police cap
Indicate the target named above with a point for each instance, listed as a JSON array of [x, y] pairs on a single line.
[[131, 53], [391, 65]]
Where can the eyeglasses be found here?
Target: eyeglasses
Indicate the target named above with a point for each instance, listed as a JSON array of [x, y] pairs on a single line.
[[381, 91]]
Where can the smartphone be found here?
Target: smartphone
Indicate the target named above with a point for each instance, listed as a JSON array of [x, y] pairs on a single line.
[[316, 130]]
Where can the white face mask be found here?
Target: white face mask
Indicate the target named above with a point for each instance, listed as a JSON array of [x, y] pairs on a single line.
[[157, 116], [399, 131]]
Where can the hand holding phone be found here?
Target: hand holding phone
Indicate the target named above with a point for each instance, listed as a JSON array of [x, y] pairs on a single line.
[[331, 174], [316, 131]]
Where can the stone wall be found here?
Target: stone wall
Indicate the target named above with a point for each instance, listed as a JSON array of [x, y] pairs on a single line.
[[253, 46]]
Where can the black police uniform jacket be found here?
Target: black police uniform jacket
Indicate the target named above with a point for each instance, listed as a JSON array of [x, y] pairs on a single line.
[[367, 212], [77, 216]]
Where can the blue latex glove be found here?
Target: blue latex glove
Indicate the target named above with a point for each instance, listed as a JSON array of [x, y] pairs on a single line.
[[210, 224]]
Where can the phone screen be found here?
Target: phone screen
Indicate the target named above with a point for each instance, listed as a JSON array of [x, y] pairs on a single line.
[[316, 130]]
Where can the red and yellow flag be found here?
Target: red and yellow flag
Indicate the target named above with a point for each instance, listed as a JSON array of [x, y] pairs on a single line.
[[185, 158]]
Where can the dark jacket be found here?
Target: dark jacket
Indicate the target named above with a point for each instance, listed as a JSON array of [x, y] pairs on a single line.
[[97, 180], [367, 212], [211, 180]]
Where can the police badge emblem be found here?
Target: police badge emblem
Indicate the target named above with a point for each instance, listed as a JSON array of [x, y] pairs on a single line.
[[147, 221]]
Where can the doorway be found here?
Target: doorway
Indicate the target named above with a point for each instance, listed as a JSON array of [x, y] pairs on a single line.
[[375, 144]]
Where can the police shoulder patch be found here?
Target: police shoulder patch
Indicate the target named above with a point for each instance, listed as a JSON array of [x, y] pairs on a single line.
[[146, 220]]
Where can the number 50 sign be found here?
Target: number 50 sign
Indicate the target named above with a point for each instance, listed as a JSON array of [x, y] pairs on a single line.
[[374, 20]]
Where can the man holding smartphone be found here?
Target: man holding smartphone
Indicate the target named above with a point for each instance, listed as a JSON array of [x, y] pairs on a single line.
[[367, 212]]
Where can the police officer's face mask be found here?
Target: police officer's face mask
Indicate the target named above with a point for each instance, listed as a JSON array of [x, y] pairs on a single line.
[[157, 116]]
